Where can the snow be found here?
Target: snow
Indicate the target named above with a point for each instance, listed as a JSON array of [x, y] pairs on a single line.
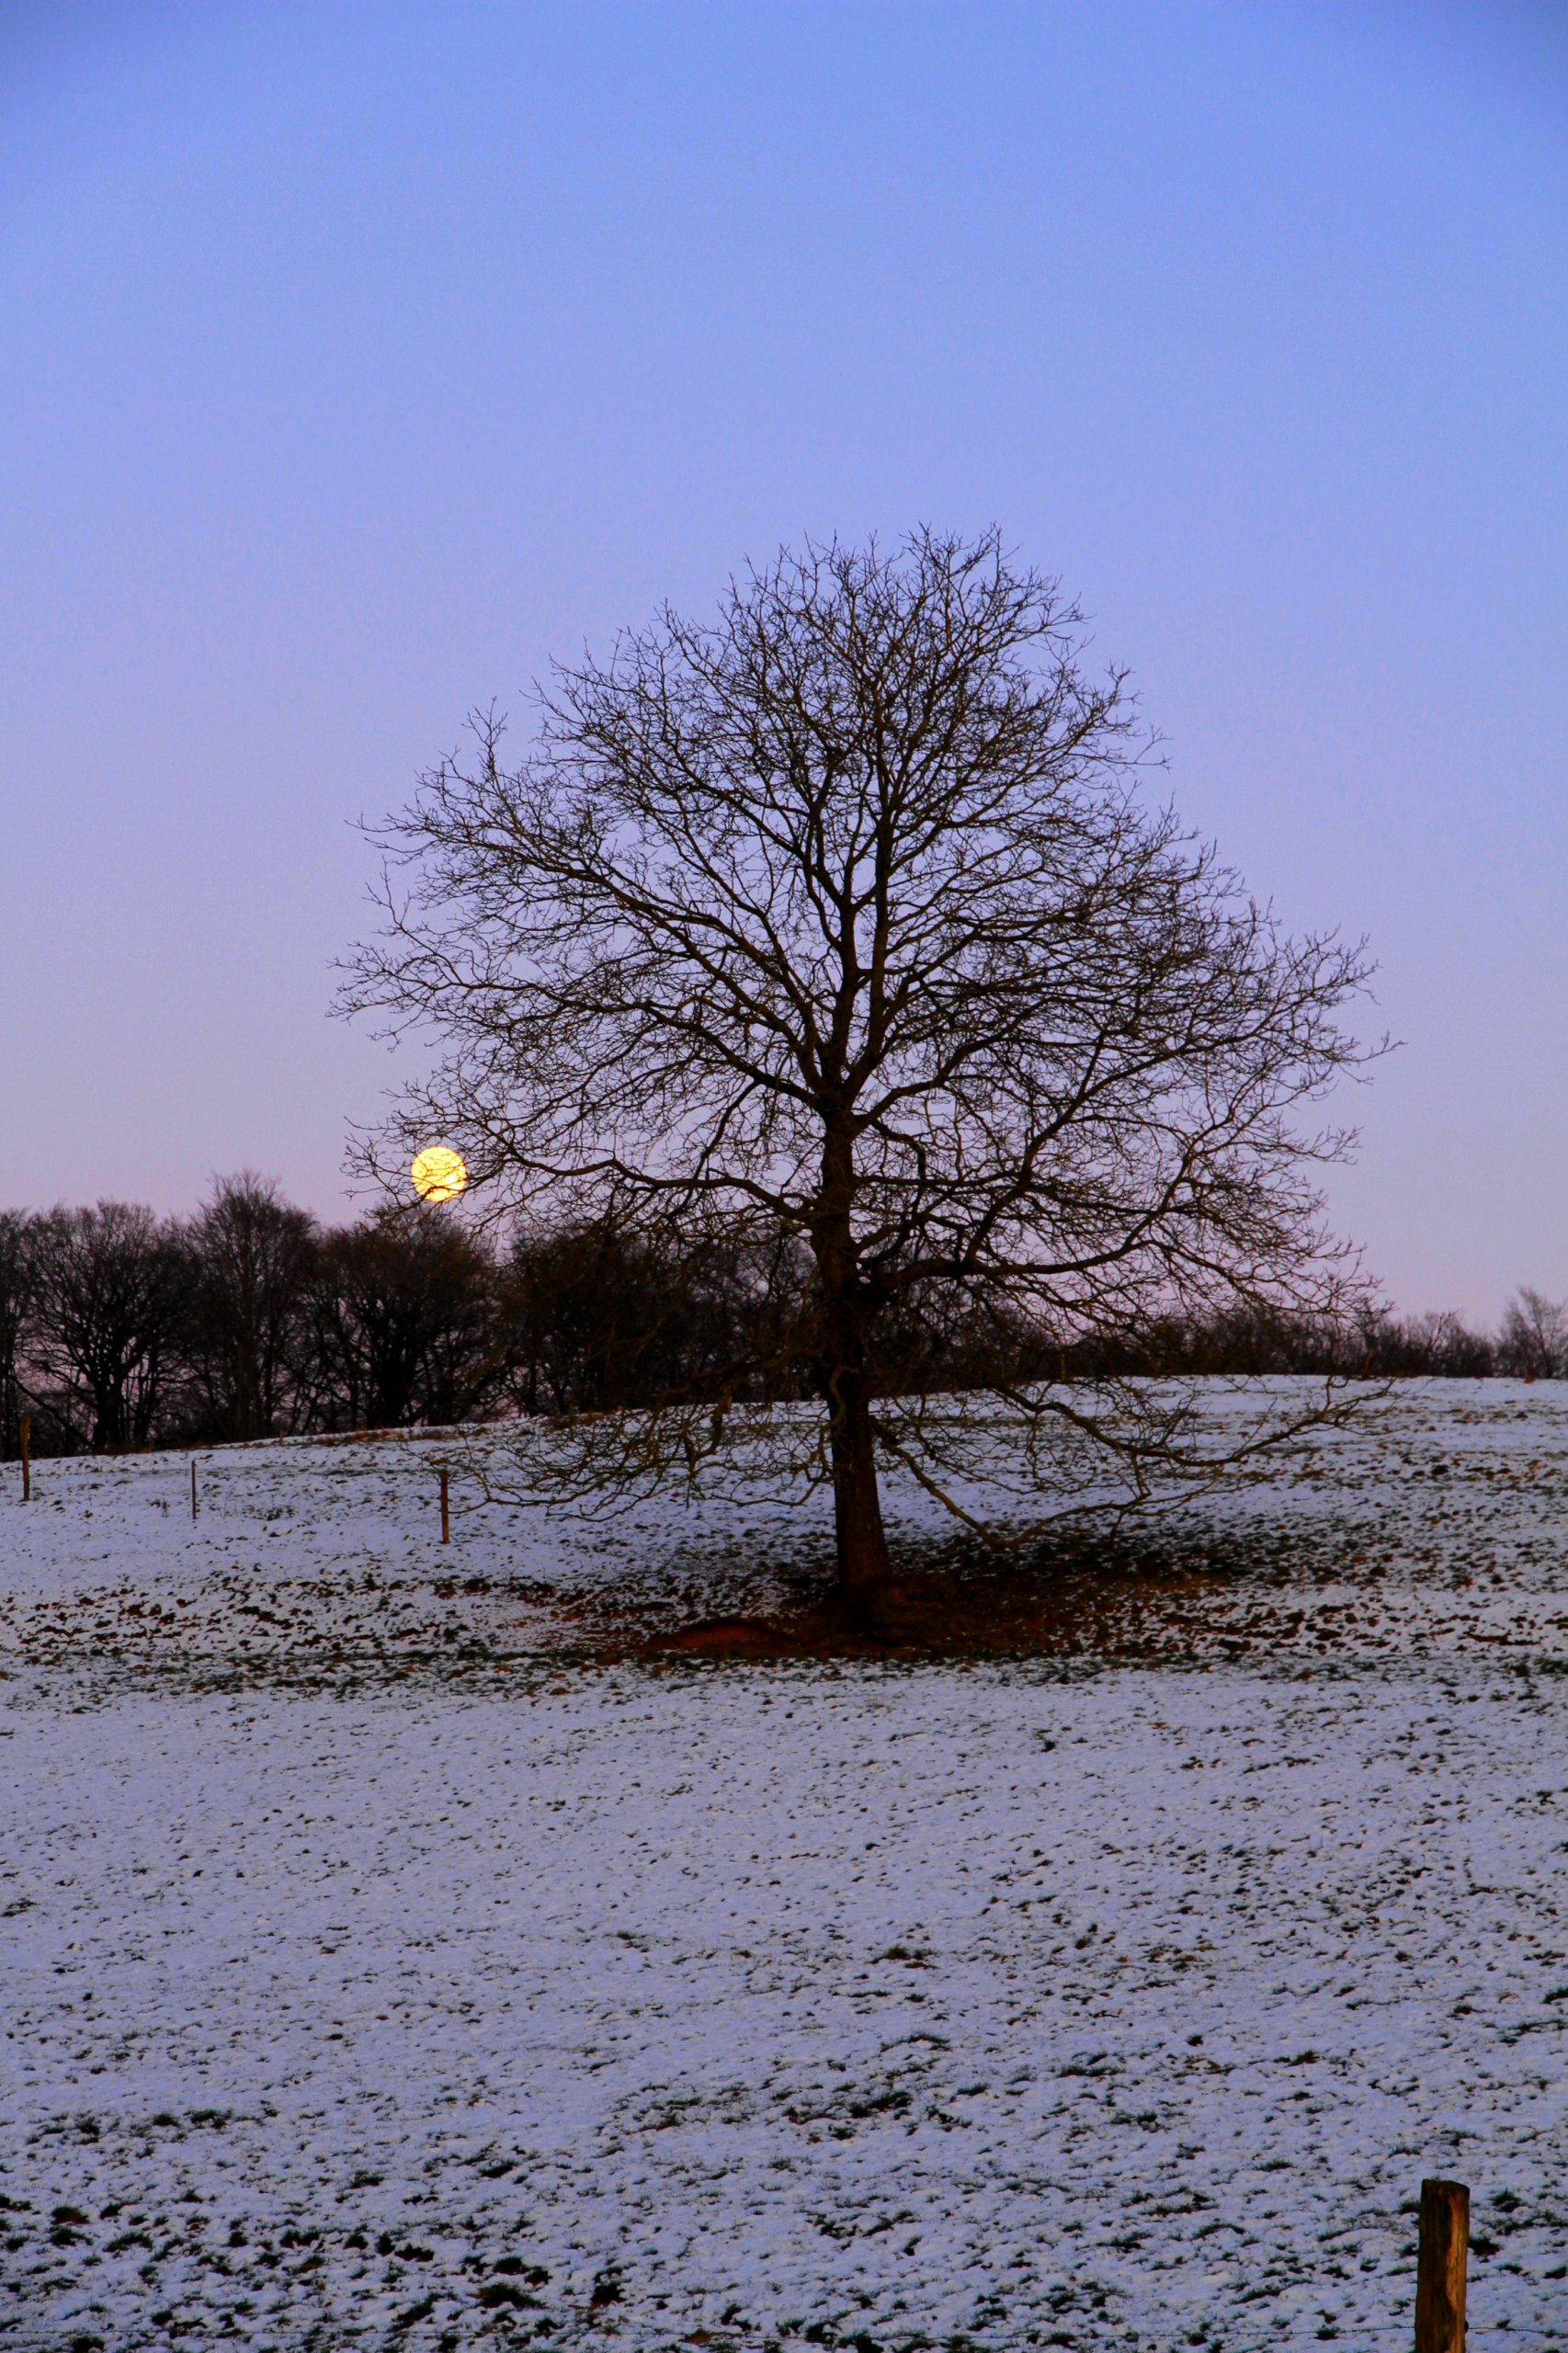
[[478, 1991]]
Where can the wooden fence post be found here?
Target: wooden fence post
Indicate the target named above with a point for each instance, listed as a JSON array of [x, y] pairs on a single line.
[[24, 1432], [446, 1519], [193, 1486], [1440, 2267]]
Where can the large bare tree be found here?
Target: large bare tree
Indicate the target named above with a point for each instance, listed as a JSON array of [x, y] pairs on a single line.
[[846, 926]]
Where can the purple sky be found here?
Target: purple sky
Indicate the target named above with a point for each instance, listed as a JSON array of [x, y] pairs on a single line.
[[355, 360]]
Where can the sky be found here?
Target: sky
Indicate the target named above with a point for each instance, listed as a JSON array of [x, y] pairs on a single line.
[[356, 361]]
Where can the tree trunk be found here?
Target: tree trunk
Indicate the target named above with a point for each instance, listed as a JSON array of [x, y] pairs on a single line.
[[864, 1568]]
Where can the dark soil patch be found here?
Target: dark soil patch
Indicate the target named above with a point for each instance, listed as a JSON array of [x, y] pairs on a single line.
[[730, 1638], [1094, 1596]]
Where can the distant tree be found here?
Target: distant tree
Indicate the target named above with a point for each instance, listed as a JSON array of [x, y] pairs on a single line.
[[843, 925], [1434, 1345], [1457, 1352], [252, 1255], [599, 1318], [111, 1285], [403, 1323], [1533, 1344], [17, 1286], [588, 1314]]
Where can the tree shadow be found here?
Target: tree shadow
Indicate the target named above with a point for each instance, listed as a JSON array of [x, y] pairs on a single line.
[[1125, 1593]]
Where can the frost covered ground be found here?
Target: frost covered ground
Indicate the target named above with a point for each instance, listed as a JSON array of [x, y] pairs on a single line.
[[386, 1964]]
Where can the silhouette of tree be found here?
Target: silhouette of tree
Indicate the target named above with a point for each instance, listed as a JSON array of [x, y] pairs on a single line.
[[844, 925]]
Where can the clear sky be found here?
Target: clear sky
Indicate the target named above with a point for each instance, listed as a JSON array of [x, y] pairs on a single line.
[[355, 361]]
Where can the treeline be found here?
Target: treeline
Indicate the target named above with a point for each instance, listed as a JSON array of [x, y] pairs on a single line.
[[251, 1319], [121, 1330], [1532, 1345]]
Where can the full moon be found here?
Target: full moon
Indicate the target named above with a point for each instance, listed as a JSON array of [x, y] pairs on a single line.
[[438, 1173]]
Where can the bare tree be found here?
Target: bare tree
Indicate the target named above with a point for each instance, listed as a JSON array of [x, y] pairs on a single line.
[[252, 1254], [1533, 1344], [1435, 1344], [845, 923], [111, 1284], [403, 1325]]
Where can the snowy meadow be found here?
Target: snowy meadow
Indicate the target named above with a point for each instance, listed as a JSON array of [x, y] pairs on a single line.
[[402, 1948]]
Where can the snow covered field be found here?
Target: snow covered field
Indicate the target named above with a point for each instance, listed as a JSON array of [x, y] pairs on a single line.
[[381, 1970]]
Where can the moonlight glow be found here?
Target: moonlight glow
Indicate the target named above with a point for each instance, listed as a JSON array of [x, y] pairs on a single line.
[[438, 1173]]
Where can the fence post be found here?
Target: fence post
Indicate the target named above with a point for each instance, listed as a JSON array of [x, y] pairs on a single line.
[[1440, 2267], [193, 1486], [445, 1520], [24, 1432]]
